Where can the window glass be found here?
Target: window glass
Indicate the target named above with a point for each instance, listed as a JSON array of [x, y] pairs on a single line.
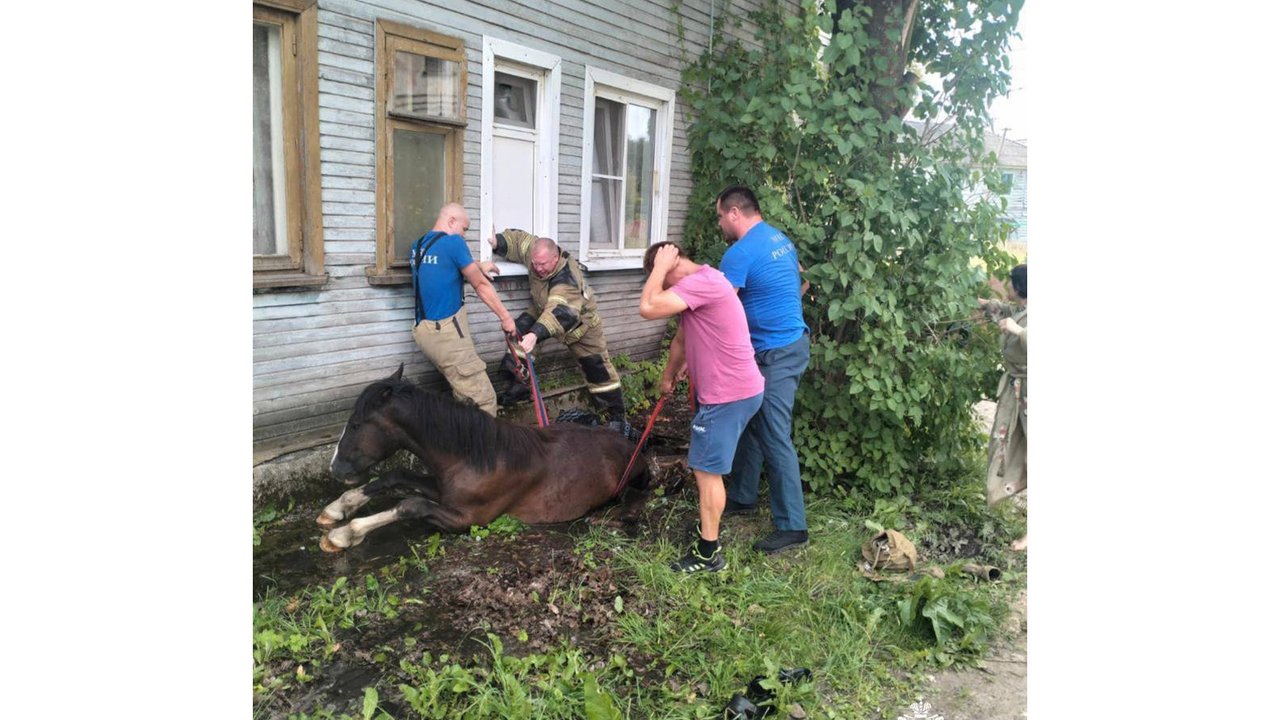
[[419, 162], [515, 100], [270, 206], [425, 87]]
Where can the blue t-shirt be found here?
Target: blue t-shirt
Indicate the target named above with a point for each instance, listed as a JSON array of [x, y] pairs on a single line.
[[440, 275], [764, 265]]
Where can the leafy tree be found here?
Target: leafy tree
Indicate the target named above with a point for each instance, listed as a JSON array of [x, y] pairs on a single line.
[[881, 212]]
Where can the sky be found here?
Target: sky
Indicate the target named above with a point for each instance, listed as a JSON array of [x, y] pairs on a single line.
[[1011, 111]]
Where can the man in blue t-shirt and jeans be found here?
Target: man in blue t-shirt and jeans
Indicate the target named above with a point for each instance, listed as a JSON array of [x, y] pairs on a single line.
[[440, 261], [761, 262]]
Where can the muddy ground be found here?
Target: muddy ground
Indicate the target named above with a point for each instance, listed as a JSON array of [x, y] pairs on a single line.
[[475, 588]]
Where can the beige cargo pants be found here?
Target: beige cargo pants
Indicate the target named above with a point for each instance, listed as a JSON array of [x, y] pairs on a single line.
[[447, 344]]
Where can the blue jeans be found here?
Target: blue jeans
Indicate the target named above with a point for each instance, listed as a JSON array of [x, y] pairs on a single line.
[[767, 439]]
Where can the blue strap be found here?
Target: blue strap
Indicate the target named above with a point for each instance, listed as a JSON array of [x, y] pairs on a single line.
[[416, 255]]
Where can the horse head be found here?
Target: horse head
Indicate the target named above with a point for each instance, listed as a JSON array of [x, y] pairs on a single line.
[[370, 435]]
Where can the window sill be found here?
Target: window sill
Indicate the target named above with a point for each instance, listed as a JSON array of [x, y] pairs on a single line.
[[614, 262], [388, 279], [509, 269], [276, 282]]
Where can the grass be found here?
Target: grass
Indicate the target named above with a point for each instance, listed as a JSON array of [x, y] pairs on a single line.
[[683, 645], [810, 608]]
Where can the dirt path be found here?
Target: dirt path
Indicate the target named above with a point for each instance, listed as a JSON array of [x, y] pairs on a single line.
[[995, 690]]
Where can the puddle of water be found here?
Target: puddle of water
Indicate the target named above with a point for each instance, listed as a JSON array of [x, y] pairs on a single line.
[[289, 556]]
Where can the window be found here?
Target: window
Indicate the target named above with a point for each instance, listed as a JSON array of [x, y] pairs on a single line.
[[421, 94], [519, 141], [288, 249], [626, 166]]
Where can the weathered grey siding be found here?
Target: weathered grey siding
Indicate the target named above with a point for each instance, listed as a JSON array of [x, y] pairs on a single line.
[[315, 350]]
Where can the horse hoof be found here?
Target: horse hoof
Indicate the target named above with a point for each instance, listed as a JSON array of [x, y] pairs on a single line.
[[329, 547], [326, 522]]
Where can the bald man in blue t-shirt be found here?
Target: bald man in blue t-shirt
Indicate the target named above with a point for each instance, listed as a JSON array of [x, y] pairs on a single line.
[[439, 262]]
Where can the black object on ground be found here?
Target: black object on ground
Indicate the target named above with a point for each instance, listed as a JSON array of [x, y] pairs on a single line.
[[758, 700]]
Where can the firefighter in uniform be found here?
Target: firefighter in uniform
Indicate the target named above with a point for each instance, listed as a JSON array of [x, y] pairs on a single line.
[[563, 307]]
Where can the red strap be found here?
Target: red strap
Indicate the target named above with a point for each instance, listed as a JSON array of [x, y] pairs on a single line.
[[528, 376], [639, 444], [538, 405]]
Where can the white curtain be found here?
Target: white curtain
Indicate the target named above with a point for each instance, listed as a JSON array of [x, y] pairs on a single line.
[[606, 192]]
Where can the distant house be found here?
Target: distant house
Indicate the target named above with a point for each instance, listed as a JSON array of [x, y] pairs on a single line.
[[557, 117], [1011, 157]]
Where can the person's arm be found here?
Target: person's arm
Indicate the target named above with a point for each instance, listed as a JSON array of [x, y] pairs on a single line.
[[656, 303], [514, 245], [489, 296], [804, 284], [1013, 328], [676, 364]]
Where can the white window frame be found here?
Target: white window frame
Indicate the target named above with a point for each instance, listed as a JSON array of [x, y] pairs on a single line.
[[620, 88], [507, 57]]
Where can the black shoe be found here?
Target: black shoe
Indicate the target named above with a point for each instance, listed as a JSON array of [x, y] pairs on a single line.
[[780, 540], [737, 508], [740, 707], [693, 562]]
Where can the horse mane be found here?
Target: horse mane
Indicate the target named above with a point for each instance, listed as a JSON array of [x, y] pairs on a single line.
[[462, 430]]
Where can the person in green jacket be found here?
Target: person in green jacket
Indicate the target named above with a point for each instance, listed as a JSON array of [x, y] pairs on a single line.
[[563, 307], [1007, 448]]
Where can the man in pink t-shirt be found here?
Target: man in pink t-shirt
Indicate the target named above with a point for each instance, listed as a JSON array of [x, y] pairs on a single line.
[[713, 345]]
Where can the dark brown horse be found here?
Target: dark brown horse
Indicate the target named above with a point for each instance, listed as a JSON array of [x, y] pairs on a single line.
[[480, 467]]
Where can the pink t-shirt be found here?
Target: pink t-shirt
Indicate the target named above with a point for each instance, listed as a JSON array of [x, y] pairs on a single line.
[[717, 342]]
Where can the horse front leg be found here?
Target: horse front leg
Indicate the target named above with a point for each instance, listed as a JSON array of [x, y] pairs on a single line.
[[354, 532], [400, 482]]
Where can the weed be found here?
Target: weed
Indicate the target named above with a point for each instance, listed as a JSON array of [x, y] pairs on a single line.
[[502, 525], [266, 517], [303, 630], [555, 685], [640, 380]]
